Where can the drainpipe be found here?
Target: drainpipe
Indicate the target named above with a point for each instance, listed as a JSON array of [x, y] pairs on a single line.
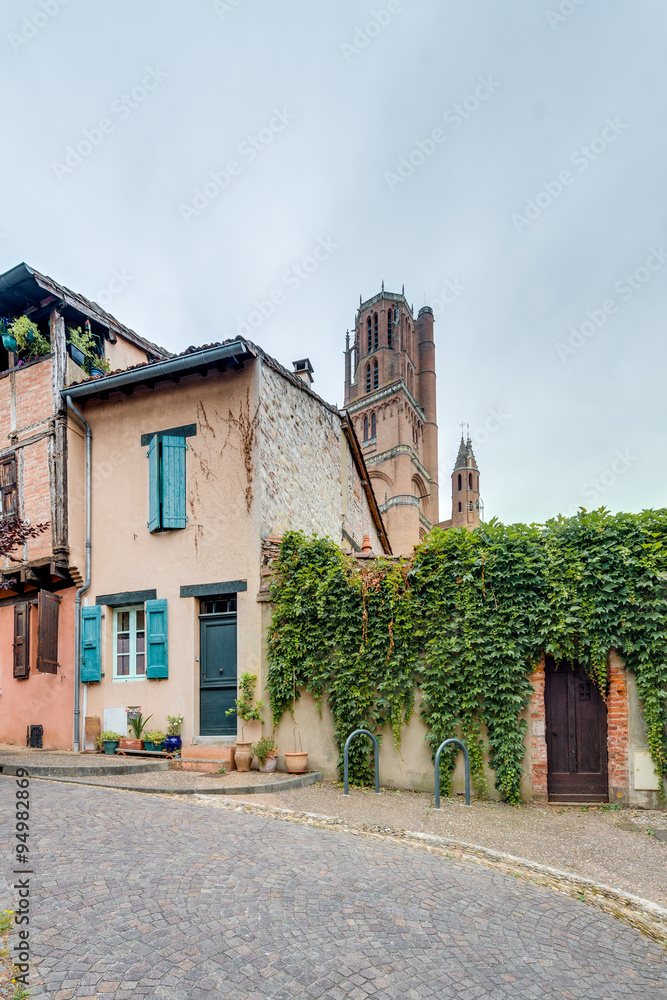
[[86, 583]]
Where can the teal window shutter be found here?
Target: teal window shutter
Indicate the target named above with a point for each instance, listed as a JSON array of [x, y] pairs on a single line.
[[153, 484], [157, 656], [91, 644], [173, 482]]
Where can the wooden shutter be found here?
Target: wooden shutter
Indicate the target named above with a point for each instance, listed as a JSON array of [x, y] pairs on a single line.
[[91, 644], [8, 486], [47, 643], [157, 655], [21, 640], [173, 482], [154, 485]]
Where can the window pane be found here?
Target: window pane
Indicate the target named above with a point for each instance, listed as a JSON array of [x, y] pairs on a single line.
[[122, 643], [123, 621], [141, 642], [141, 664], [123, 666], [140, 619]]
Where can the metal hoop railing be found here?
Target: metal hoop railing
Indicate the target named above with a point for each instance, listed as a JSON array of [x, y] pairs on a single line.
[[437, 770], [345, 760]]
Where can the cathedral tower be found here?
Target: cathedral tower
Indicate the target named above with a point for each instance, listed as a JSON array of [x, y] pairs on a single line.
[[466, 503], [390, 396]]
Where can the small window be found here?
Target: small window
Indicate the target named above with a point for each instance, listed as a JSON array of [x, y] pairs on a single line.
[[376, 334], [390, 327], [459, 506], [129, 643], [376, 374], [21, 640], [221, 604], [370, 341], [368, 378], [365, 428], [459, 487], [470, 480], [9, 486], [373, 425]]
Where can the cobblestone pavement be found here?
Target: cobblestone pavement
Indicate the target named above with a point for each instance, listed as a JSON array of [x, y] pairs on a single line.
[[144, 896]]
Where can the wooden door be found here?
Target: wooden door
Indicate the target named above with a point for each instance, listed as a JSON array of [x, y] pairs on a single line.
[[576, 735], [217, 681]]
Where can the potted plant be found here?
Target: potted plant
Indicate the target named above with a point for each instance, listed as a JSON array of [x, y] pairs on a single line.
[[154, 740], [137, 724], [266, 752], [172, 741], [247, 712], [296, 761], [21, 335], [83, 351], [108, 741]]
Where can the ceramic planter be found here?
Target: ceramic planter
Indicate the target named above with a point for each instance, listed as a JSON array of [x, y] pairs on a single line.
[[153, 746], [243, 755], [9, 342], [172, 743], [270, 764], [296, 763], [131, 745], [94, 372], [110, 746]]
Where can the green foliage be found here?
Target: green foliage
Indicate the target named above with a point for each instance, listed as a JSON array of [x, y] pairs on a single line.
[[266, 747], [243, 706], [30, 342], [155, 736], [174, 725], [106, 735], [465, 623], [84, 340], [137, 724]]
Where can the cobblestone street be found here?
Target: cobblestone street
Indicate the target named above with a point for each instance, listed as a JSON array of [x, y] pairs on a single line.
[[142, 896]]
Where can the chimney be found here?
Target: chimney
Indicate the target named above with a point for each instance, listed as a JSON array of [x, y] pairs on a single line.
[[304, 370]]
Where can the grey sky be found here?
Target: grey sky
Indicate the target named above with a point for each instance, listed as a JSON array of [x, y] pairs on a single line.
[[554, 427]]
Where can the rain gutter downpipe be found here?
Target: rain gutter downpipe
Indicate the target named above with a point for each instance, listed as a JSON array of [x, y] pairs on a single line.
[[86, 582]]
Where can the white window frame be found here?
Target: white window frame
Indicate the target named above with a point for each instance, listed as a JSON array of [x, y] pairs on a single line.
[[133, 675]]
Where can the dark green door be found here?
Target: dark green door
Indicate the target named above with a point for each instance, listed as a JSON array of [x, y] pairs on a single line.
[[217, 681]]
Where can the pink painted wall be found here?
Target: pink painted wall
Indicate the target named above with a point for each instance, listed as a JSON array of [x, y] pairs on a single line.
[[40, 699]]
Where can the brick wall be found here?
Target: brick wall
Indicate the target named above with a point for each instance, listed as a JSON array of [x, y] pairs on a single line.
[[538, 743], [617, 730], [26, 429], [302, 466]]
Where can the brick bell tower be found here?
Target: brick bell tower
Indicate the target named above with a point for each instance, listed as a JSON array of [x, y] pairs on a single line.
[[466, 503], [390, 397]]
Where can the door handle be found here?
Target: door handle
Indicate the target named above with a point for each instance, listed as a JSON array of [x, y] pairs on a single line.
[[220, 669], [554, 733]]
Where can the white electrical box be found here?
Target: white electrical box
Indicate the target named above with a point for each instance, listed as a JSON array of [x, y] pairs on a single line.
[[646, 780], [115, 721]]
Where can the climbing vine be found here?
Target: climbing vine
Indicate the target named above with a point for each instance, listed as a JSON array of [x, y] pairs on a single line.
[[464, 623]]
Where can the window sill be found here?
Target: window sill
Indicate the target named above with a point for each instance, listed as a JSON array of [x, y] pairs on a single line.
[[367, 444], [123, 680]]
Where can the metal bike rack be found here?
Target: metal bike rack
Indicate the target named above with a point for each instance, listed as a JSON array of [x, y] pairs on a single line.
[[437, 769], [375, 747]]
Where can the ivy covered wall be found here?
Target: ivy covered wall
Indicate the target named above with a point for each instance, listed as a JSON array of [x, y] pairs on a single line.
[[465, 621]]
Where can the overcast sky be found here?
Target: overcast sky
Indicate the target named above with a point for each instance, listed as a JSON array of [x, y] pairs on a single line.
[[179, 161]]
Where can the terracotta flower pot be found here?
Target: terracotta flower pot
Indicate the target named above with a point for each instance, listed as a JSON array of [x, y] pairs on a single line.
[[131, 745], [296, 763], [270, 764], [243, 755]]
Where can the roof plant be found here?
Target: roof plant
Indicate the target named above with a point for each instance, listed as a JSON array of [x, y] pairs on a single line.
[[464, 623]]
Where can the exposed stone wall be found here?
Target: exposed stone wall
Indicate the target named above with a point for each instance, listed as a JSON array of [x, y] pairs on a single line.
[[304, 468], [538, 743]]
